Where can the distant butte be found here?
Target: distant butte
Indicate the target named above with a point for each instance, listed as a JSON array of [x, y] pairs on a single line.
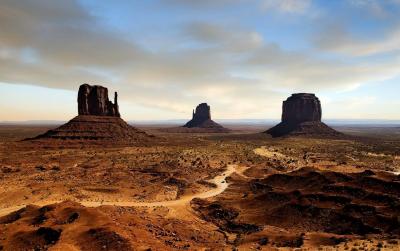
[[201, 115], [98, 119], [201, 118], [301, 115]]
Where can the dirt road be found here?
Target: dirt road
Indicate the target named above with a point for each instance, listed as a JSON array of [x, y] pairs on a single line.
[[219, 180]]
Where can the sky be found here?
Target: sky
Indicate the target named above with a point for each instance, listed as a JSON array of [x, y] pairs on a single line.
[[242, 57]]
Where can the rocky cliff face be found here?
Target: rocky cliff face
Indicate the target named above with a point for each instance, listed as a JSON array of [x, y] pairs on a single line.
[[301, 115], [200, 115], [201, 120], [98, 120], [301, 107], [93, 100]]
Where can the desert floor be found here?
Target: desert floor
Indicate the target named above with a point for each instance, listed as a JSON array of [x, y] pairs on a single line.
[[235, 191]]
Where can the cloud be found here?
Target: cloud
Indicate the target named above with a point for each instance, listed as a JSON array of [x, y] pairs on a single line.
[[336, 38], [378, 8], [359, 107], [303, 72], [61, 45], [223, 37], [375, 33], [282, 6], [62, 33], [287, 6], [202, 3]]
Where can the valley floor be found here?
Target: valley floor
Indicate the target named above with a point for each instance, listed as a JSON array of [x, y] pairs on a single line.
[[242, 190]]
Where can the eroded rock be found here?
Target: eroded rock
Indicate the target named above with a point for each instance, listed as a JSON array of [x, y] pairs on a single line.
[[93, 100], [301, 115], [98, 119], [199, 116], [201, 119], [301, 107]]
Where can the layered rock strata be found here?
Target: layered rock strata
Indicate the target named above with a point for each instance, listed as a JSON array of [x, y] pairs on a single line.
[[301, 115], [98, 119]]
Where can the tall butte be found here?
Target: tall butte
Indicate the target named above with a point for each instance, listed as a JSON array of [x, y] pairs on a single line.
[[201, 119], [98, 119], [301, 115], [93, 100]]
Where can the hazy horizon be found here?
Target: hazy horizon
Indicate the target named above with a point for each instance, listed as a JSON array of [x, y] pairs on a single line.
[[250, 122], [164, 57]]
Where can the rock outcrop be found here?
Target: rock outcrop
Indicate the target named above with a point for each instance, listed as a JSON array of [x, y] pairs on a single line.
[[97, 128], [201, 122], [301, 107], [93, 100], [301, 115], [201, 115], [98, 119]]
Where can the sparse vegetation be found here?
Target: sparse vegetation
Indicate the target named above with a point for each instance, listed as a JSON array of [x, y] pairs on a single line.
[[291, 187]]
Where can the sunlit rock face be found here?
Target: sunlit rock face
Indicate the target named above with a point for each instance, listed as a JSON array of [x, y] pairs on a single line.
[[93, 100], [301, 115]]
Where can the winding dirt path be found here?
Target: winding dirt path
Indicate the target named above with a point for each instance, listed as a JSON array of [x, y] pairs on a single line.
[[219, 180]]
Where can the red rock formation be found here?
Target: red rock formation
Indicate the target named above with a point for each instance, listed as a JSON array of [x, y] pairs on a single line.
[[98, 119], [201, 118], [201, 115], [89, 127], [93, 100], [301, 115], [301, 107]]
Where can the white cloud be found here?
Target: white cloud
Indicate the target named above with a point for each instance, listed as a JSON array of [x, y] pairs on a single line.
[[224, 37], [359, 107], [233, 68], [379, 8], [338, 39], [288, 6], [203, 3]]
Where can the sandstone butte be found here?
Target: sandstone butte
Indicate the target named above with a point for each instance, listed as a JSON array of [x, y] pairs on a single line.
[[301, 115], [201, 118], [98, 119]]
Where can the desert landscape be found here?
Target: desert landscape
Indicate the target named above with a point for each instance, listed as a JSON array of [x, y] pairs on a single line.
[[97, 183], [204, 125]]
